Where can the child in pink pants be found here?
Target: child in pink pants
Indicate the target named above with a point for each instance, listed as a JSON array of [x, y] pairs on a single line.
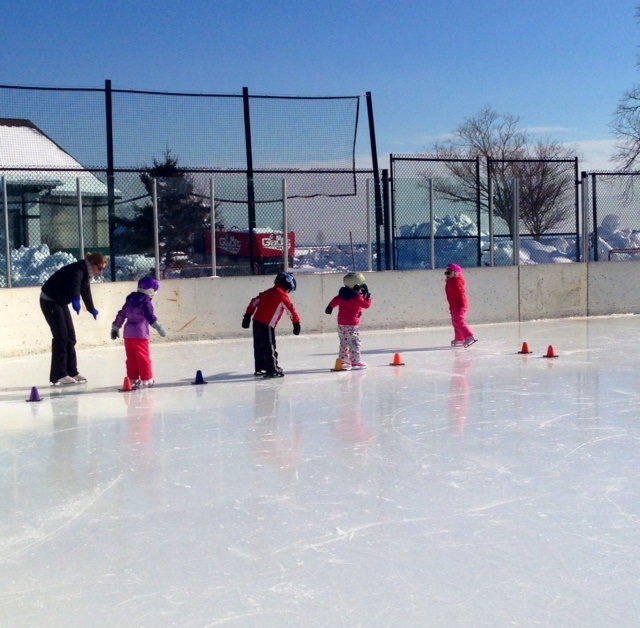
[[138, 313], [457, 298]]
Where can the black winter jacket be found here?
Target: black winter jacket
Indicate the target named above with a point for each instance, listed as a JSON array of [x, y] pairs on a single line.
[[68, 282]]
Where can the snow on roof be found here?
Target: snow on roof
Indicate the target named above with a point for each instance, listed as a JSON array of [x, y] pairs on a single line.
[[24, 145]]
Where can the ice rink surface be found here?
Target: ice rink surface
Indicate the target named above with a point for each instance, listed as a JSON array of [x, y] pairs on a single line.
[[470, 487]]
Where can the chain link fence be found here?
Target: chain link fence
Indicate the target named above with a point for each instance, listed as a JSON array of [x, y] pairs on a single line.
[[435, 212], [179, 184], [163, 225], [612, 207], [251, 176], [493, 212]]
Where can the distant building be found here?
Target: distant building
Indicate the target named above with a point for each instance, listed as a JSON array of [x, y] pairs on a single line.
[[42, 180]]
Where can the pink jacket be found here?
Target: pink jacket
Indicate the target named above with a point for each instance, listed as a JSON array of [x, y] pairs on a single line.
[[350, 305], [456, 295]]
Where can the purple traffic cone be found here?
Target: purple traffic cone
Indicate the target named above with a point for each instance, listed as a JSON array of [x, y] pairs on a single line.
[[35, 395]]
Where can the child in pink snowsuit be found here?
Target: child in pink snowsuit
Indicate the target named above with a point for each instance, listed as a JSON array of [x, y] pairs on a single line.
[[457, 298], [350, 301]]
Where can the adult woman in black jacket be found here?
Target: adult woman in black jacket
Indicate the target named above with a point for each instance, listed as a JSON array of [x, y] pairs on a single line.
[[65, 286]]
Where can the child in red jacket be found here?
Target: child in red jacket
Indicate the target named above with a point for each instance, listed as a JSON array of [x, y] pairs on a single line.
[[350, 301], [267, 310], [457, 298]]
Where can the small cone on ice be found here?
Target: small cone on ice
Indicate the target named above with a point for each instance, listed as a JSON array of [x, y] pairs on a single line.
[[199, 378], [551, 353], [126, 385], [525, 348], [338, 366], [397, 361], [35, 395]]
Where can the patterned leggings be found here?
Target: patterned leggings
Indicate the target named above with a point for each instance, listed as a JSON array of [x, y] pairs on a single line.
[[349, 343]]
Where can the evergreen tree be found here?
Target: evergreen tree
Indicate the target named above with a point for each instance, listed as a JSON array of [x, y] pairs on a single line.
[[184, 215]]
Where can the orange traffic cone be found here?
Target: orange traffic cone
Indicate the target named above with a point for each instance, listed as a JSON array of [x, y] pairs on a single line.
[[525, 348], [550, 353], [396, 360], [338, 366], [126, 385], [35, 395]]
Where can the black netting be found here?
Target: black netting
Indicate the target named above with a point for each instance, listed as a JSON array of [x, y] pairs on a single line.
[[304, 133], [204, 131]]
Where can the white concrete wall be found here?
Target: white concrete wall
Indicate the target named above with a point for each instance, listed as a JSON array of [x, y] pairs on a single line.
[[553, 291], [196, 309], [614, 287]]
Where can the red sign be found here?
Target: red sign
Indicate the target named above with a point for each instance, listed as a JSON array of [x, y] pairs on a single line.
[[236, 244]]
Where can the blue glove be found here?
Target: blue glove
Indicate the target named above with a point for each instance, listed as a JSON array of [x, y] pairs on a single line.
[[94, 313], [159, 328], [75, 304]]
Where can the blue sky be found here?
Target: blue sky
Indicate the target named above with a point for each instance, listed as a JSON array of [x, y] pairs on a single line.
[[561, 65]]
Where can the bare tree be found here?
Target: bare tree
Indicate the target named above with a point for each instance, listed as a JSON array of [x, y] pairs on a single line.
[[546, 183], [626, 126]]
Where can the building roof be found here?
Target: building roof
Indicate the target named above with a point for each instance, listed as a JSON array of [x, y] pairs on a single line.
[[24, 145]]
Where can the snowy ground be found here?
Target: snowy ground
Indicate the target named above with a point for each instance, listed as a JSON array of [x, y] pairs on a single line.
[[469, 487]]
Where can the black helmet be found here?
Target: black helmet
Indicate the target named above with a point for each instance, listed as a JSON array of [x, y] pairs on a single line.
[[286, 281]]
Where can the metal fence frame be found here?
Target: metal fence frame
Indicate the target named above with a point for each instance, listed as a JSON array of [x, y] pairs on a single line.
[[362, 204], [490, 166], [111, 168]]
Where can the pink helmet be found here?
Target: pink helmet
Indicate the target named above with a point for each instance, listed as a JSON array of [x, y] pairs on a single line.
[[454, 267]]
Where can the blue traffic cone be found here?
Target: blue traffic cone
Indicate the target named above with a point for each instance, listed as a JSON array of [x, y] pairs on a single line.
[[199, 378]]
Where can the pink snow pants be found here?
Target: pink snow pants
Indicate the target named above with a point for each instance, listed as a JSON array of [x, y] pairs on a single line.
[[460, 327], [138, 359]]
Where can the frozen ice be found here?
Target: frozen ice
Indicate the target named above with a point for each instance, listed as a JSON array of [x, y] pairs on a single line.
[[471, 486]]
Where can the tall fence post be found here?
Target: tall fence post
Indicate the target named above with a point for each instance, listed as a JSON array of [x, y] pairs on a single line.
[[7, 244], [80, 219], [251, 193], [376, 179], [432, 229], [516, 222], [479, 210], [490, 201], [388, 239], [285, 229], [369, 261], [156, 238], [111, 185], [214, 261], [577, 206], [594, 209], [584, 215]]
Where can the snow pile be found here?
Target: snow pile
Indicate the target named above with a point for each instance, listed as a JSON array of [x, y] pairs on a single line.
[[32, 266]]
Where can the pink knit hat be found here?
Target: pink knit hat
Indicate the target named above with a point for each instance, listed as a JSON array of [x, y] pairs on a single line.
[[454, 267]]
